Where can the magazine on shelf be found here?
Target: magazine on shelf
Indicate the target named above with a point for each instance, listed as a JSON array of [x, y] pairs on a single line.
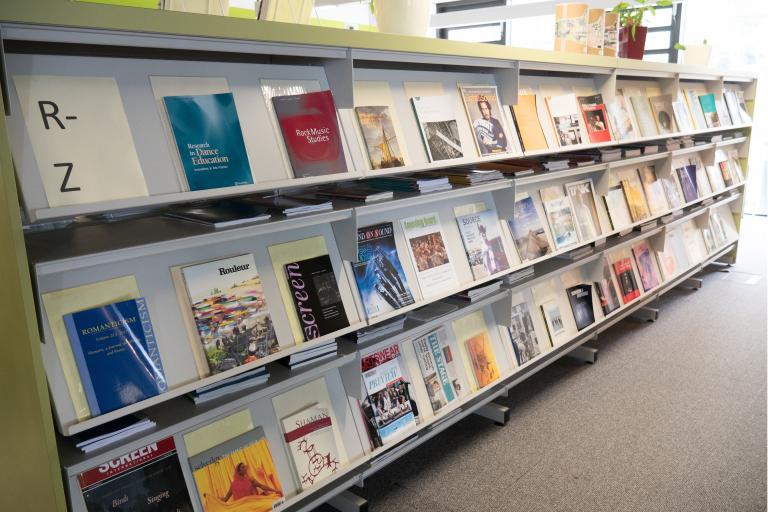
[[311, 133], [616, 205], [646, 266], [209, 141], [436, 116], [557, 206], [595, 117], [527, 229], [686, 174], [379, 274], [672, 192], [311, 442], [473, 337], [595, 31], [709, 109], [633, 191], [227, 310], [716, 177], [435, 356], [582, 196], [482, 243], [722, 111], [611, 34], [744, 115], [682, 114], [644, 116], [316, 296], [387, 392], [694, 107], [146, 479], [625, 276], [221, 214], [734, 162], [522, 331], [674, 258], [116, 354], [361, 193], [239, 471], [621, 119], [654, 190], [663, 113], [84, 158], [429, 255], [580, 298], [606, 291], [553, 318], [564, 116], [380, 137], [528, 124], [571, 27], [734, 109], [486, 116], [703, 186]]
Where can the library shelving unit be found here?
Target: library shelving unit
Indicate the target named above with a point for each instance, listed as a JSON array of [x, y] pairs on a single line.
[[43, 250]]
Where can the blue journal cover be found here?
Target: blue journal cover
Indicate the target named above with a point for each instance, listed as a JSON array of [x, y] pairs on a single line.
[[116, 354], [379, 274], [209, 140]]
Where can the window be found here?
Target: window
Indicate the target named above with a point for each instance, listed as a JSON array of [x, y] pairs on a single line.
[[482, 33], [663, 33]]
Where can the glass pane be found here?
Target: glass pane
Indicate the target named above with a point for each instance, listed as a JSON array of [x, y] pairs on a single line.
[[476, 34], [657, 40], [535, 32], [657, 57], [663, 18]]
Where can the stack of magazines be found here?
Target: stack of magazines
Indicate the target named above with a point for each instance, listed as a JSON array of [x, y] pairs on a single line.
[[292, 205], [410, 184], [327, 350], [245, 380], [468, 176], [511, 168], [515, 277], [112, 432], [378, 330], [354, 193], [221, 214], [687, 141], [478, 292]]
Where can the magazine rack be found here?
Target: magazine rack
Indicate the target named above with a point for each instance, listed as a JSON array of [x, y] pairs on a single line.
[[69, 38]]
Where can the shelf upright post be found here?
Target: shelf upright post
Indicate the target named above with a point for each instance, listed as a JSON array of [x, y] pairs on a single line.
[[341, 78], [32, 479]]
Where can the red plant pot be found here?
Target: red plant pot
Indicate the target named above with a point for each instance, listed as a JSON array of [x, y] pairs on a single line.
[[632, 48]]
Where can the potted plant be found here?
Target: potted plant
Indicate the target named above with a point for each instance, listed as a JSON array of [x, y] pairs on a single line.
[[632, 32], [406, 17]]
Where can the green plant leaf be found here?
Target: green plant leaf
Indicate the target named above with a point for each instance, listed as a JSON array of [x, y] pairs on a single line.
[[679, 46], [664, 3], [633, 31]]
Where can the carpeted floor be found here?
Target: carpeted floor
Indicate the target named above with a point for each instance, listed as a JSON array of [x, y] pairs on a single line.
[[671, 418]]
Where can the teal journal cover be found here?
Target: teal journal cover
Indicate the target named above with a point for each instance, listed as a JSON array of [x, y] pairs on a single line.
[[209, 140]]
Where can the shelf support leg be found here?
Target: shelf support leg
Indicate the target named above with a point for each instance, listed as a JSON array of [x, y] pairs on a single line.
[[646, 314], [692, 282], [584, 354], [497, 413], [347, 501]]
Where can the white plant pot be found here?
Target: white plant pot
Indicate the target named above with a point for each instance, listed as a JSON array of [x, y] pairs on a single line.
[[697, 54], [406, 17]]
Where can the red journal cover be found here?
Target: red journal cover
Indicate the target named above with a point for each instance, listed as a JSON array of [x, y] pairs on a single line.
[[626, 279], [311, 133], [595, 117]]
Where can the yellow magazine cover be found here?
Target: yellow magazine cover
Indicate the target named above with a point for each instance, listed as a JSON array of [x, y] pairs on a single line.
[[472, 335], [238, 475], [527, 120], [63, 302]]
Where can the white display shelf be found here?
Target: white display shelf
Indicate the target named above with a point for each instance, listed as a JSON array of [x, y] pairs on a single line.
[[161, 402]]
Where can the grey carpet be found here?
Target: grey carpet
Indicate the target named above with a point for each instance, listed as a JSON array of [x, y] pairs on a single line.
[[671, 418]]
